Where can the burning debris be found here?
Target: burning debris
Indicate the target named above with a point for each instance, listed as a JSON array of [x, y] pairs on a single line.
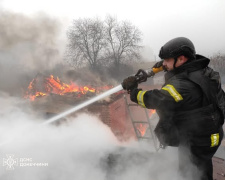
[[142, 128], [45, 85]]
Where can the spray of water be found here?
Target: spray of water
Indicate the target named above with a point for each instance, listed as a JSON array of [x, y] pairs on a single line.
[[84, 104]]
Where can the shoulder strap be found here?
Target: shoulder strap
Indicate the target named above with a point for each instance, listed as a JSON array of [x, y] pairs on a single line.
[[203, 82]]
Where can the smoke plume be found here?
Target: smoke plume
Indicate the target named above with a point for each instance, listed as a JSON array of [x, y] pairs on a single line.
[[28, 45]]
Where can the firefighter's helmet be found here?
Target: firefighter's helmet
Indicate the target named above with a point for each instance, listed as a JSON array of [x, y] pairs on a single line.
[[177, 47]]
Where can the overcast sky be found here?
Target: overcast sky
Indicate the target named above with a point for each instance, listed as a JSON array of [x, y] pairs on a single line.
[[202, 21]]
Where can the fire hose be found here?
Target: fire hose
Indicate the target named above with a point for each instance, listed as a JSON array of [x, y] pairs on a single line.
[[141, 76]]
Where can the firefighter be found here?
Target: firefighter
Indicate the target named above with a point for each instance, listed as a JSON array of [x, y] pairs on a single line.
[[190, 105]]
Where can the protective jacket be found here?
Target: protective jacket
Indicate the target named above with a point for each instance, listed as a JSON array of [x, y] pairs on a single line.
[[190, 105]]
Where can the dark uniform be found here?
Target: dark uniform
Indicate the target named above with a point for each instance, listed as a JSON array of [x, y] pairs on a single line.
[[191, 109]]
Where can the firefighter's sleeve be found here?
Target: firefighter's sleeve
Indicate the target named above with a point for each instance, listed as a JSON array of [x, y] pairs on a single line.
[[166, 98]]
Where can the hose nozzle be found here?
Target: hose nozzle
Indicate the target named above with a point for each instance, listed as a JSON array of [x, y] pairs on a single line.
[[142, 75], [156, 70], [153, 71]]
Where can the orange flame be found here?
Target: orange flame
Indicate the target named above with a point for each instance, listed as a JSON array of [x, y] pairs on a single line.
[[142, 127], [151, 112], [55, 86]]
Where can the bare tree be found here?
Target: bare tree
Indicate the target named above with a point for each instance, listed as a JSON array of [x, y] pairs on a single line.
[[218, 62], [96, 43], [86, 42], [123, 40]]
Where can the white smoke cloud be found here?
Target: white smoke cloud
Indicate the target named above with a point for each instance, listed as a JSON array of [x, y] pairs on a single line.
[[33, 42], [81, 148]]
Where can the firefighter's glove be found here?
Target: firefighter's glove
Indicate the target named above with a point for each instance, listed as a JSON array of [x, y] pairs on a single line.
[[158, 64], [133, 95], [130, 83]]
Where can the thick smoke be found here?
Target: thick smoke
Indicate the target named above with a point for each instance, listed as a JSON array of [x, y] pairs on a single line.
[[30, 41], [28, 45], [81, 148]]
